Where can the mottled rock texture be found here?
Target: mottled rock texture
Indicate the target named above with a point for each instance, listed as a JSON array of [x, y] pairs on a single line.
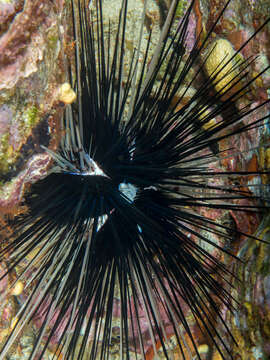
[[35, 49], [32, 45]]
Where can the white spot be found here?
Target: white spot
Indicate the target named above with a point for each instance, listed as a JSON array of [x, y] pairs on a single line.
[[128, 190]]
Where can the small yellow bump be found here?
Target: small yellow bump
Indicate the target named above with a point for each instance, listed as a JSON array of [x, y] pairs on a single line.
[[9, 151], [209, 124], [267, 158], [30, 256], [248, 307], [13, 323], [66, 94], [221, 53], [3, 334], [217, 356], [203, 349], [17, 289], [258, 81]]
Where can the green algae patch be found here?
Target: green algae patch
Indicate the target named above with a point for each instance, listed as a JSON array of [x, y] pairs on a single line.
[[4, 153], [52, 38], [10, 144], [31, 117], [181, 8]]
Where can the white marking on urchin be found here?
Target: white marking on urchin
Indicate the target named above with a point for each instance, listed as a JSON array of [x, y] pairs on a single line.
[[129, 190], [101, 221], [65, 165], [93, 168]]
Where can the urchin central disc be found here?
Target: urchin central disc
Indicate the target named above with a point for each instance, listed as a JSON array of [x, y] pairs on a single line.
[[127, 189], [98, 182]]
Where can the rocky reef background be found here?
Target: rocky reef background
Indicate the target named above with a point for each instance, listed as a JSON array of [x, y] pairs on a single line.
[[36, 46]]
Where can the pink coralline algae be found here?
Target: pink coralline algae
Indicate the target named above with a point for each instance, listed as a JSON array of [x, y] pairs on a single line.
[[31, 72], [36, 168], [6, 115]]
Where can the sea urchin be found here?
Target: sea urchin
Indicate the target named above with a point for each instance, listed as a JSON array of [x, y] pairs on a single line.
[[118, 227]]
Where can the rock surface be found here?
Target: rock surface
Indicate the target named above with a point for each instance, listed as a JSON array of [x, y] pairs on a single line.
[[35, 39]]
